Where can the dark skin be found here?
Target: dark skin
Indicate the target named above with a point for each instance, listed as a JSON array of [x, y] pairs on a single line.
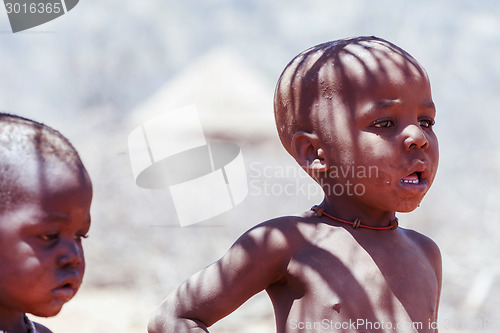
[[41, 255], [316, 270]]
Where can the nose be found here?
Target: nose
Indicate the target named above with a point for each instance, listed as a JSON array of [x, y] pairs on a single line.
[[414, 137], [71, 254]]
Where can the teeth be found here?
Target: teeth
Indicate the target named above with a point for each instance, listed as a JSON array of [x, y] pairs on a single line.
[[406, 181]]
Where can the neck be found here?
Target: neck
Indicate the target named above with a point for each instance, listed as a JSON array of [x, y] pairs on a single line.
[[347, 209], [13, 323]]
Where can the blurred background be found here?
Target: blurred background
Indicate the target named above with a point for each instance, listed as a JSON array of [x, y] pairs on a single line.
[[105, 67]]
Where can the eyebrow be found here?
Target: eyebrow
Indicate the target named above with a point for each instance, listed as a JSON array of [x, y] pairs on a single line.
[[51, 217], [63, 218], [428, 105], [387, 103], [382, 104]]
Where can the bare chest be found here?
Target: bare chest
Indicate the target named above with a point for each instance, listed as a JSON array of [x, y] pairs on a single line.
[[337, 284]]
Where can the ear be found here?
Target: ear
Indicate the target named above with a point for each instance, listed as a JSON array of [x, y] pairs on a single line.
[[307, 152]]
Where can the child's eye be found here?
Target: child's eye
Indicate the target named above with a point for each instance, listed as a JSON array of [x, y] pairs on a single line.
[[80, 237], [427, 122], [49, 237], [383, 123]]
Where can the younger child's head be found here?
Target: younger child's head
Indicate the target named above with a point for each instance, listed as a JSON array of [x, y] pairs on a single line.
[[45, 196], [366, 104]]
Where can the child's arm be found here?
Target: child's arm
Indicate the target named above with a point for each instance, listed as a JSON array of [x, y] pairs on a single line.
[[255, 261], [434, 254], [435, 257]]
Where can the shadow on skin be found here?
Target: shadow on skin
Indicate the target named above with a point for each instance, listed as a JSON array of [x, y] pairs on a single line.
[[317, 277]]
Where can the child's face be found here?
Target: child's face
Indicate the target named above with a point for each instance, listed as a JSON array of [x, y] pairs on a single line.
[[41, 255], [384, 131]]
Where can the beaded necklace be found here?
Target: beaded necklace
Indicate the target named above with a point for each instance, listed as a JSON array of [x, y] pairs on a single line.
[[319, 211]]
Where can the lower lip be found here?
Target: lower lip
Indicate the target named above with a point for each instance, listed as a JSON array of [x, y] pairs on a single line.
[[65, 293], [415, 188]]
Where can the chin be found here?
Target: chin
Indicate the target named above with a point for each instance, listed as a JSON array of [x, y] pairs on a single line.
[[47, 311], [408, 207]]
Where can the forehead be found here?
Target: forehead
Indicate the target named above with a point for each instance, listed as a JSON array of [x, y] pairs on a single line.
[[48, 182], [363, 75], [370, 63], [52, 193]]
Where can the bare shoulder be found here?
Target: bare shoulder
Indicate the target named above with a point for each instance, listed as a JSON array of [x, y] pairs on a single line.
[[279, 235], [41, 329], [426, 244], [256, 260]]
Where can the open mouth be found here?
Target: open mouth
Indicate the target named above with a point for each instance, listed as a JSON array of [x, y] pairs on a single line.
[[413, 178], [64, 292], [67, 289]]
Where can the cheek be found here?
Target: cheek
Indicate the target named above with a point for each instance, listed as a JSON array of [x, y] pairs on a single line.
[[378, 156], [433, 150], [20, 256], [34, 268], [82, 266], [25, 281]]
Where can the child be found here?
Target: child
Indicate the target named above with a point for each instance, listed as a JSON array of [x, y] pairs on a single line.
[[357, 115], [45, 195]]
